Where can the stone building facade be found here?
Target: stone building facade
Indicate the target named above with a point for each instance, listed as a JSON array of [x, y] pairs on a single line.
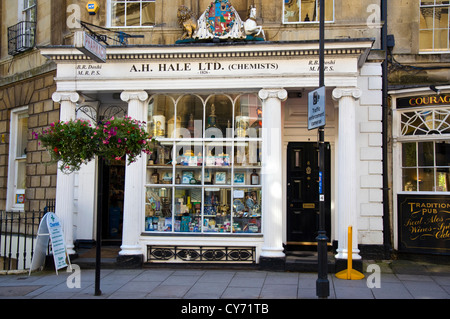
[[353, 29]]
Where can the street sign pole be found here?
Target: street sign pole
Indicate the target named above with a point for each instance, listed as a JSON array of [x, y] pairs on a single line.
[[322, 284]]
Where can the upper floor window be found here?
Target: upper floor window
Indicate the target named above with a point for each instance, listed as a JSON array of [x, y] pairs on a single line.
[[434, 26], [29, 10], [306, 11], [22, 36], [132, 13], [17, 159]]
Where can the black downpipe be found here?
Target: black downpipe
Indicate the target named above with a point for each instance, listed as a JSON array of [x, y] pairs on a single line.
[[386, 212]]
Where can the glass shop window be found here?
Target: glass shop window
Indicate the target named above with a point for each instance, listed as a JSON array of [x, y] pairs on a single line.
[[426, 166], [434, 35], [306, 11], [132, 13], [204, 173]]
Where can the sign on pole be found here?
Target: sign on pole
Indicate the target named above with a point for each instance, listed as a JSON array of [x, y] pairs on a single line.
[[50, 229], [90, 46], [316, 108]]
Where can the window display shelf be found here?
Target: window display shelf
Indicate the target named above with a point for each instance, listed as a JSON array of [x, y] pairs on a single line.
[[207, 155]]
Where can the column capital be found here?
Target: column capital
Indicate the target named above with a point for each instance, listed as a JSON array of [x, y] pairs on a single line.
[[339, 93], [278, 93], [134, 95], [73, 97]]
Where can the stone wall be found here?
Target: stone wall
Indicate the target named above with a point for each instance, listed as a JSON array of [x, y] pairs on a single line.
[[36, 93]]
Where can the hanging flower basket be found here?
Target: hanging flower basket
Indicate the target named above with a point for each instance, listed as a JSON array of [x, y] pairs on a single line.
[[76, 142], [120, 137]]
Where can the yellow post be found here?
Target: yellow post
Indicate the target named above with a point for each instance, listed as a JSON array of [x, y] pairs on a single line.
[[350, 273]]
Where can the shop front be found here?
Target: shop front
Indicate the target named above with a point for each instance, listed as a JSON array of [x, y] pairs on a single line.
[[421, 170], [230, 129]]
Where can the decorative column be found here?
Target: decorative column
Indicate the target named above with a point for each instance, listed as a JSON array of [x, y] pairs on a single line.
[[64, 205], [272, 255], [134, 200], [347, 170]]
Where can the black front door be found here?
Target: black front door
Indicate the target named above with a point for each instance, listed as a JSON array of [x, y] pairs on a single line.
[[303, 192]]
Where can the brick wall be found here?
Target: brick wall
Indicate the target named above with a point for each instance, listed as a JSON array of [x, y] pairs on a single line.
[[36, 93]]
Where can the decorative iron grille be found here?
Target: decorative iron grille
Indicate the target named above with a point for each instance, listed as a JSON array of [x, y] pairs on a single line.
[[21, 37], [426, 122], [201, 254]]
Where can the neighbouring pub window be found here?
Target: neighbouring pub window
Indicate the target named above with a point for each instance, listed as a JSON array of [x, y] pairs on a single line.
[[434, 26], [132, 13], [306, 11], [426, 166], [204, 173]]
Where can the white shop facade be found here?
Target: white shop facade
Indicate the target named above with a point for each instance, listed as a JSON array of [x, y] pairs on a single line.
[[234, 174]]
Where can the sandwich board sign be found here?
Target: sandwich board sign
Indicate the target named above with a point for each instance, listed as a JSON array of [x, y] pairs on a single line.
[[50, 228], [316, 108]]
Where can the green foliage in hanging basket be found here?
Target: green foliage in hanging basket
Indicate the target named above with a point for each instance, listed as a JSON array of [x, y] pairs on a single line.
[[76, 142], [120, 137]]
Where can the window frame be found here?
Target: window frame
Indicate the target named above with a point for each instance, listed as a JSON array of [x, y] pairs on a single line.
[[435, 168], [26, 10], [433, 50], [308, 22], [13, 160], [433, 136], [236, 188], [109, 16]]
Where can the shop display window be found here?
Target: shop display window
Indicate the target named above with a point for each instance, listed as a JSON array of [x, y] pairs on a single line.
[[188, 210], [206, 166], [217, 214], [158, 209], [247, 210]]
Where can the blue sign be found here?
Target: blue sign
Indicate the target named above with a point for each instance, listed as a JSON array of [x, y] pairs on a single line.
[[320, 183], [316, 108]]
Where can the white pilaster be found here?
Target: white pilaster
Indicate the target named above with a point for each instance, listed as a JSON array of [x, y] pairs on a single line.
[[271, 175], [347, 168], [134, 182], [64, 206]]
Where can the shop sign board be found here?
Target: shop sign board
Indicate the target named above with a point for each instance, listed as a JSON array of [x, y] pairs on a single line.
[[316, 108], [153, 69], [423, 100], [90, 46], [424, 224], [50, 228]]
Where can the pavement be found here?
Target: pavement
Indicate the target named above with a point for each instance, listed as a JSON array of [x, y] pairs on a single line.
[[393, 279]]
